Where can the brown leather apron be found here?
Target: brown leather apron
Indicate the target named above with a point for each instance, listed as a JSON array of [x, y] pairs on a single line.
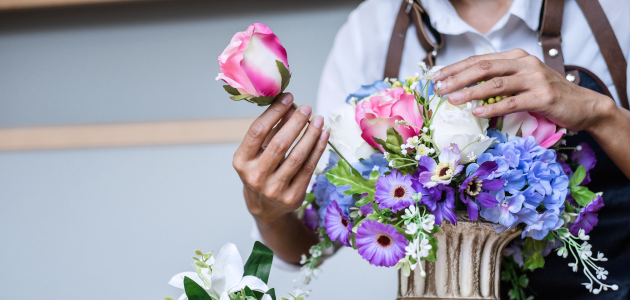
[[556, 281]]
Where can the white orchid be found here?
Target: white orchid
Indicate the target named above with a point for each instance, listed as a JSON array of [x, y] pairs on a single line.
[[226, 276]]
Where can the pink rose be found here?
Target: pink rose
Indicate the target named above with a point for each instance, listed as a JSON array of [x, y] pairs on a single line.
[[380, 112], [248, 63], [544, 131]]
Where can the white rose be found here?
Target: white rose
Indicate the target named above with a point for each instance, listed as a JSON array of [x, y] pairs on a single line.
[[457, 125], [345, 134]]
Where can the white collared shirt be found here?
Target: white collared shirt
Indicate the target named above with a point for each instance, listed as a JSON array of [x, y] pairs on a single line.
[[358, 54]]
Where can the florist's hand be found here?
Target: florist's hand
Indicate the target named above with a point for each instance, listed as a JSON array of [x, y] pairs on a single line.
[[535, 87], [275, 186]]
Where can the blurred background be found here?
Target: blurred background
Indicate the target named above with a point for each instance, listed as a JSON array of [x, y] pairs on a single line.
[[116, 144]]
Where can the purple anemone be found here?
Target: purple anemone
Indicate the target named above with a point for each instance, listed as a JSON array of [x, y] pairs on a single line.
[[440, 200], [586, 157], [587, 218], [337, 226], [432, 173], [472, 188], [311, 218], [394, 191], [382, 245]]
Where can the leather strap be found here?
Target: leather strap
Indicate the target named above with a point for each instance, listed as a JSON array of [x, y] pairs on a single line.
[[549, 36], [411, 11], [608, 46]]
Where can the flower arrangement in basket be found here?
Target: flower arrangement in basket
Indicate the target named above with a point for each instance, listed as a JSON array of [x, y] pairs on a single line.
[[404, 160]]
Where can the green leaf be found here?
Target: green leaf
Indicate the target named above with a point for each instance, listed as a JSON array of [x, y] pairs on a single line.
[[194, 291], [232, 91], [434, 248], [578, 176], [523, 281], [271, 292], [239, 97], [365, 200], [343, 175], [262, 100], [259, 262], [249, 292], [284, 73], [394, 138], [533, 248], [506, 276], [582, 195], [513, 294], [169, 298]]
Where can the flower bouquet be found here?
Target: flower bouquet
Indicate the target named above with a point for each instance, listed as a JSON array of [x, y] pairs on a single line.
[[407, 164]]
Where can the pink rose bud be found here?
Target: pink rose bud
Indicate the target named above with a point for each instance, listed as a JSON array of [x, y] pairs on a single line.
[[253, 64], [381, 111], [542, 129]]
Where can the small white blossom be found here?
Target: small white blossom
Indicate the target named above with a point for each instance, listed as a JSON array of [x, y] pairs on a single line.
[[411, 211], [424, 248], [602, 274], [303, 259], [413, 248], [425, 129], [583, 236], [574, 266], [422, 65], [404, 152], [386, 155], [412, 229], [432, 127], [413, 142], [471, 156], [585, 251], [600, 257], [422, 150], [315, 252], [427, 223], [578, 148], [413, 86]]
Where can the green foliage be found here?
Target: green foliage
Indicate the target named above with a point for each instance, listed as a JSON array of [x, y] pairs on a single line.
[[285, 75], [434, 248], [194, 291], [232, 91], [581, 194], [271, 292], [393, 141], [259, 262], [533, 248], [511, 274], [343, 175]]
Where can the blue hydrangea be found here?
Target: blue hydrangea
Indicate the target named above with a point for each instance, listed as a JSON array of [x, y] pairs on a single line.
[[367, 90]]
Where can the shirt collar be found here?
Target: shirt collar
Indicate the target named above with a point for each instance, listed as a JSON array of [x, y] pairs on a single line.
[[444, 17]]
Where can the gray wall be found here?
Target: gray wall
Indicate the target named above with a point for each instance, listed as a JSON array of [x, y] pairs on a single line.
[[118, 223]]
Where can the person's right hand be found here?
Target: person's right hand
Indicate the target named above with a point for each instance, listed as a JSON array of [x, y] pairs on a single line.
[[275, 186]]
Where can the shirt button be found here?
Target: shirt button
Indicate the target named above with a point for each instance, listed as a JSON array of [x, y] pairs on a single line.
[[487, 50]]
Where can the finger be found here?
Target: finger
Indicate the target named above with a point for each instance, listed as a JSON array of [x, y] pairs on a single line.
[[261, 127], [300, 152], [277, 128], [303, 177], [283, 140], [483, 70], [522, 102], [458, 67], [497, 86]]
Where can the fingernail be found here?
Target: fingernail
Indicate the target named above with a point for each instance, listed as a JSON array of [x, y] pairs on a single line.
[[325, 134], [439, 85], [317, 121], [306, 110], [479, 110], [456, 97], [287, 99], [437, 74]]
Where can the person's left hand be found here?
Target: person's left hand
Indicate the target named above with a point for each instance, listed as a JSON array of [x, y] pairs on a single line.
[[535, 87]]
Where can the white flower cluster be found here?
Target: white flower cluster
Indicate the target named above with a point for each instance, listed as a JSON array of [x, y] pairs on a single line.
[[418, 224], [584, 255], [417, 144]]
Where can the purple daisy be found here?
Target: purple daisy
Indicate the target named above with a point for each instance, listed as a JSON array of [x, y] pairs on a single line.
[[432, 173], [337, 226], [587, 218], [440, 200], [382, 245], [472, 187], [394, 191]]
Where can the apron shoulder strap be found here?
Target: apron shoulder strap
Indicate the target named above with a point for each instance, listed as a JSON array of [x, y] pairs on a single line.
[[550, 39], [608, 46], [411, 11]]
